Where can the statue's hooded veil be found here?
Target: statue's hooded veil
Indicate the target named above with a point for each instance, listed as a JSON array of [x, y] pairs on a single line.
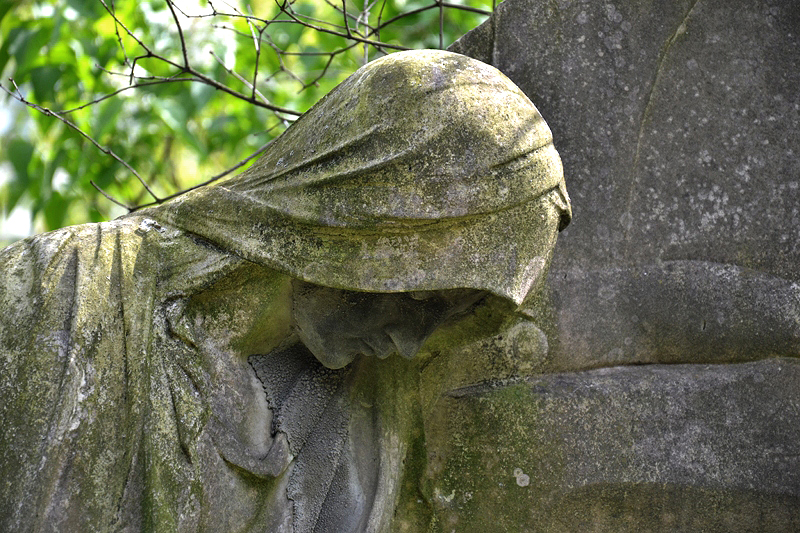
[[424, 170]]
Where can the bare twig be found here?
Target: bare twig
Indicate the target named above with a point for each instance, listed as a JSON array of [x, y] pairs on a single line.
[[350, 35], [380, 16], [109, 197], [257, 44], [322, 74], [435, 5], [119, 22], [186, 68], [237, 166], [180, 35], [309, 18], [468, 8], [343, 12], [441, 24], [356, 35], [118, 91], [17, 94], [119, 37], [238, 76]]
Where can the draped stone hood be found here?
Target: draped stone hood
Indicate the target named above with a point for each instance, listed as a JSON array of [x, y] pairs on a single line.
[[424, 170]]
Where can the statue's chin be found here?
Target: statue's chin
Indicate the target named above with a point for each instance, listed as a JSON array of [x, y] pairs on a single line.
[[334, 361]]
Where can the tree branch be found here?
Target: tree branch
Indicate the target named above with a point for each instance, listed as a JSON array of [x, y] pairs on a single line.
[[350, 36], [180, 34], [118, 91], [237, 166], [17, 94], [110, 198], [187, 68]]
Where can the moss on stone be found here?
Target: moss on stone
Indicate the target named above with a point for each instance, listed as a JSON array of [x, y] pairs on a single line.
[[482, 457]]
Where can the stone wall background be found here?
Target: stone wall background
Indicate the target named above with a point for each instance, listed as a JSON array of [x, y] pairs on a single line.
[[679, 127]]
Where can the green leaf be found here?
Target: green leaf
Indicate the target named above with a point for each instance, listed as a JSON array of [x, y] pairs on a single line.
[[53, 165], [44, 81], [19, 152], [30, 49], [55, 210], [106, 120], [5, 7], [11, 44], [63, 64], [89, 9], [15, 193]]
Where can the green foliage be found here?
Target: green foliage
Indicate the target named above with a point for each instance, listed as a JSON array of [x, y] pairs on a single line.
[[65, 54]]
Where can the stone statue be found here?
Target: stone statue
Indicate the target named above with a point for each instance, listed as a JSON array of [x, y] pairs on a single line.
[[225, 362]]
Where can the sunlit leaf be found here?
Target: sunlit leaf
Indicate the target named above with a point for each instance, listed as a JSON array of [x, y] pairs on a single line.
[[5, 7], [19, 152], [44, 81], [11, 42], [55, 210], [89, 9], [105, 120]]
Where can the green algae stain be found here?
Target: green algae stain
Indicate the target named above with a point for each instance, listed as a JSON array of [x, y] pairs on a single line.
[[484, 454]]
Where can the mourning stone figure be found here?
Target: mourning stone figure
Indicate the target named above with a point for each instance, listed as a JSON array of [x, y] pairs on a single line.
[[250, 356]]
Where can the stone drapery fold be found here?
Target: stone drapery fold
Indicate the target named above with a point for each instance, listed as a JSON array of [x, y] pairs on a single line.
[[424, 170], [105, 414]]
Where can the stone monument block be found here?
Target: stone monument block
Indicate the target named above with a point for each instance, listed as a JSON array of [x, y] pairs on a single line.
[[679, 125]]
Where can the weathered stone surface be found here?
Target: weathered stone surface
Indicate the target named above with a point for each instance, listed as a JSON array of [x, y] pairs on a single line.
[[674, 312], [422, 171], [678, 124], [644, 448]]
